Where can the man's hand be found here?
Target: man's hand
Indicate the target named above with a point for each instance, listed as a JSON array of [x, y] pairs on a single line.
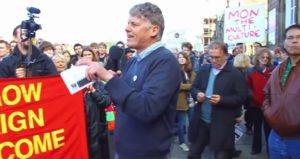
[[200, 97], [95, 70], [215, 99], [20, 72]]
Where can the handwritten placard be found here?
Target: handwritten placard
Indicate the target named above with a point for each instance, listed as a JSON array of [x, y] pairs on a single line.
[[244, 24]]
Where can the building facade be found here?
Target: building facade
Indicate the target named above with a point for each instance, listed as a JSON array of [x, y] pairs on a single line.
[[209, 29], [282, 13]]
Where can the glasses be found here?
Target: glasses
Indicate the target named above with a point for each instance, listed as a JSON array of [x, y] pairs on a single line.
[[290, 38]]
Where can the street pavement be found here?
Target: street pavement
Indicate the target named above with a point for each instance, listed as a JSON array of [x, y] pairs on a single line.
[[243, 144]]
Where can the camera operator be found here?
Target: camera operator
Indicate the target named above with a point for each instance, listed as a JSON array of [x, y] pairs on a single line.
[[15, 65]]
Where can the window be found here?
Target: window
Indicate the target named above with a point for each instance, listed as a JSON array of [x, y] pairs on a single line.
[[290, 12]]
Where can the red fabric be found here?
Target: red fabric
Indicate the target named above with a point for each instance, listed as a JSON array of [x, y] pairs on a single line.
[[62, 116], [256, 83]]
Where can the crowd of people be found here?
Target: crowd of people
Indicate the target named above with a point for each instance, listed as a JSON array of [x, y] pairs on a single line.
[[159, 94]]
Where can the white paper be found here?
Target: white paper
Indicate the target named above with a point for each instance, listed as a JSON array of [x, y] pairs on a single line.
[[238, 133], [74, 78]]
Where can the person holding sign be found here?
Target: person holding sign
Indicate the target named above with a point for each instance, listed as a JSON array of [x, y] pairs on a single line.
[[146, 93]]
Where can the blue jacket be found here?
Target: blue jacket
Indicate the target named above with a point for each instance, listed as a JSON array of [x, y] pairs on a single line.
[[146, 99]]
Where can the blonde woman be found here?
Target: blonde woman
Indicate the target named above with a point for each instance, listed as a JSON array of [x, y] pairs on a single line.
[[60, 62]]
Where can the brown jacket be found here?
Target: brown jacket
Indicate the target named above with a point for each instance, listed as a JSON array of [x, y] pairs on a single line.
[[282, 105], [182, 102]]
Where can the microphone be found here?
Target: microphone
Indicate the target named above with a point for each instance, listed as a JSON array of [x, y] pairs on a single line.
[[33, 10]]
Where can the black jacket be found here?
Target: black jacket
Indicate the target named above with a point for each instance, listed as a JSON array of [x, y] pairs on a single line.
[[73, 60], [95, 103], [42, 65]]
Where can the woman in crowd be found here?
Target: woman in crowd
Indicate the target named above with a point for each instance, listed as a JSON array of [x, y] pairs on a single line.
[[257, 79], [187, 76], [89, 54], [96, 100], [67, 55], [60, 62]]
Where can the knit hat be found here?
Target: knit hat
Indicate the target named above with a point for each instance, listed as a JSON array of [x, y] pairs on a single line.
[[115, 52]]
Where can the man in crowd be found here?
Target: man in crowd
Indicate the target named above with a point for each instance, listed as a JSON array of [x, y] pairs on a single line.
[[256, 45], [187, 48], [4, 49], [146, 93], [204, 57], [103, 55], [239, 48], [281, 105], [220, 90], [22, 64], [78, 48]]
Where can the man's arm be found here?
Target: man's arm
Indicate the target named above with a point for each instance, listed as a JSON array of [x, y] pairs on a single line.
[[239, 93], [267, 101]]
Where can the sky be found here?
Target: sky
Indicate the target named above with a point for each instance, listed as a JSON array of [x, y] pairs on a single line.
[[86, 21]]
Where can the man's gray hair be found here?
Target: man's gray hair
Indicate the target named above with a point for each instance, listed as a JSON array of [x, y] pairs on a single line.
[[149, 12]]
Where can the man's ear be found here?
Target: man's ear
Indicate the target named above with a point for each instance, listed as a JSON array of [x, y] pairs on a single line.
[[155, 31]]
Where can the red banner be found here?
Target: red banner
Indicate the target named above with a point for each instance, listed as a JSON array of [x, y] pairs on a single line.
[[40, 119]]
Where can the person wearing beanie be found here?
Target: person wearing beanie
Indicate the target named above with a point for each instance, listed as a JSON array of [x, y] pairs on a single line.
[[128, 54], [115, 54]]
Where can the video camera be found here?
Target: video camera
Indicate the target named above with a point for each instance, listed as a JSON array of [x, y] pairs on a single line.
[[30, 25]]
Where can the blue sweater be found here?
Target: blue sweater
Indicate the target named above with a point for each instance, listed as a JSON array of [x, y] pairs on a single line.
[[146, 97], [206, 106]]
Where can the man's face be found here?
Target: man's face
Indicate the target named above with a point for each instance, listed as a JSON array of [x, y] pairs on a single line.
[[217, 57], [140, 33], [292, 42], [18, 38], [186, 50], [78, 50], [205, 49], [239, 49], [4, 50], [256, 46]]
